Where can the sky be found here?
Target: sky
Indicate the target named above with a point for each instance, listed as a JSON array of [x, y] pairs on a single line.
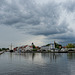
[[39, 21]]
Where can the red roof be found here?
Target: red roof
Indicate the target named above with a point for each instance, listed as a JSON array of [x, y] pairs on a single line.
[[31, 46], [25, 46]]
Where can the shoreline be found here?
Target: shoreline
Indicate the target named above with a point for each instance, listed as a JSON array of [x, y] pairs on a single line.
[[48, 52], [1, 52]]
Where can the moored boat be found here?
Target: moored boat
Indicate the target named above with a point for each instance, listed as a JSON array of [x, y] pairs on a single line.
[[11, 51]]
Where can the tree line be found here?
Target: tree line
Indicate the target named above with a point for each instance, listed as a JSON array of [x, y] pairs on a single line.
[[1, 49]]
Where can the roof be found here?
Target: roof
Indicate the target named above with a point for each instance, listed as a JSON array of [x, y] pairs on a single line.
[[25, 46]]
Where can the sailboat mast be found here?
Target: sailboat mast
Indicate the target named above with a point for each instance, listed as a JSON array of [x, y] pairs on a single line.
[[11, 46]]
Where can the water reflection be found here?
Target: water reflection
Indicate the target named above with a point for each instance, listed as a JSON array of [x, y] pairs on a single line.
[[33, 55], [71, 56], [37, 64], [52, 57], [43, 57]]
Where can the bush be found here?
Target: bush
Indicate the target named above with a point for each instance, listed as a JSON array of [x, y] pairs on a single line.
[[35, 49], [0, 49], [70, 45]]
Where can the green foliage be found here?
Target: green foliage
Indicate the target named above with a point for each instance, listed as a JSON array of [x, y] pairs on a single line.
[[35, 49], [33, 46], [57, 45], [0, 49], [3, 48], [70, 45], [48, 45]]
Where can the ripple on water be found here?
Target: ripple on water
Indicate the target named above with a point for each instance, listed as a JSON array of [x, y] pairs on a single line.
[[37, 64]]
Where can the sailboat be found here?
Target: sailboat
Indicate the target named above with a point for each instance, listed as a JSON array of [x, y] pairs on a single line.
[[11, 48]]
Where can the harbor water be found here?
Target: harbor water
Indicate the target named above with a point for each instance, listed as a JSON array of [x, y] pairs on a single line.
[[37, 64]]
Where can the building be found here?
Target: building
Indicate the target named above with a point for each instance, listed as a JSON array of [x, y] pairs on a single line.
[[23, 48], [48, 47], [28, 48]]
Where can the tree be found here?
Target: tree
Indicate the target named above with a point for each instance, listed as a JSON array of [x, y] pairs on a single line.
[[48, 45], [0, 49], [33, 45], [57, 45], [3, 48], [70, 45], [34, 48]]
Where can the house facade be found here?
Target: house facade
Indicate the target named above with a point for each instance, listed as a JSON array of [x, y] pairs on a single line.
[[23, 48], [51, 46], [28, 48]]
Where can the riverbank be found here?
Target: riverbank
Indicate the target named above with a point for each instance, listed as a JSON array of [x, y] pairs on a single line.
[[47, 52], [1, 52]]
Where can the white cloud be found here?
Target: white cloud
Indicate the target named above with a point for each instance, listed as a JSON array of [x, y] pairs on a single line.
[[52, 20]]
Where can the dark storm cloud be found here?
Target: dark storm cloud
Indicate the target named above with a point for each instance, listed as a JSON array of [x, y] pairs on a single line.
[[17, 12], [43, 20], [36, 19], [50, 30], [64, 38], [69, 6]]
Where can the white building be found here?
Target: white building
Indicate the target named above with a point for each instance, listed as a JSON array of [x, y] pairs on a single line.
[[51, 46], [27, 47]]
